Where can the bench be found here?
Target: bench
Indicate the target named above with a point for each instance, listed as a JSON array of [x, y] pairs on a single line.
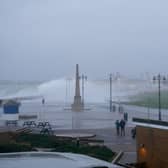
[[45, 128], [46, 131], [44, 125], [11, 122], [29, 124]]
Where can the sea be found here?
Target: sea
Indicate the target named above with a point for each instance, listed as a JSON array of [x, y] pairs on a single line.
[[59, 95]]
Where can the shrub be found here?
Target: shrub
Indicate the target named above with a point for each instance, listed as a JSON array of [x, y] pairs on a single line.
[[63, 145], [14, 147]]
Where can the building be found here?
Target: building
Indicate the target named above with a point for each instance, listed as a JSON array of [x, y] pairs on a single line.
[[152, 146]]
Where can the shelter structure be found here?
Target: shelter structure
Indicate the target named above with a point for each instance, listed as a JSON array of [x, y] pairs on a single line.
[[11, 110], [152, 147]]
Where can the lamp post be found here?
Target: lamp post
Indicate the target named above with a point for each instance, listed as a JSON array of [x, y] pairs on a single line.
[[43, 107], [110, 92], [159, 78], [68, 90]]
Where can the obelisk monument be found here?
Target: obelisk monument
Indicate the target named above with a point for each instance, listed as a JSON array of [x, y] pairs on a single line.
[[77, 105]]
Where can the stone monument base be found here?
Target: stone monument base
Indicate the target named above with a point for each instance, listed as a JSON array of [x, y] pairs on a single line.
[[77, 107]]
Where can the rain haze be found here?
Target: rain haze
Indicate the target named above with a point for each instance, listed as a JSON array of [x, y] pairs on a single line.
[[43, 40], [83, 78]]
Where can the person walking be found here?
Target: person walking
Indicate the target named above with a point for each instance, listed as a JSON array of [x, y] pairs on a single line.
[[133, 132], [43, 101], [117, 123], [122, 126], [125, 117]]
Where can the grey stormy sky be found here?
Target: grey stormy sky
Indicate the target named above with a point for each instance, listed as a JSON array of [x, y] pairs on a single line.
[[44, 39]]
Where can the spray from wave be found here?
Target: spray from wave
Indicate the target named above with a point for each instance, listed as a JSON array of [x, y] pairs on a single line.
[[62, 90]]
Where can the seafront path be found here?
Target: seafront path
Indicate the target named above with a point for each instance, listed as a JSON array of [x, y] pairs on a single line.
[[117, 143]]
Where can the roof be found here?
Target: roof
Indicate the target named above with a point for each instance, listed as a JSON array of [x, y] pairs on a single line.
[[151, 123], [11, 102], [50, 160]]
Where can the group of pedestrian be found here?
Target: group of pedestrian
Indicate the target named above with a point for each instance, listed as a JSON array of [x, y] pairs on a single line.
[[120, 127], [120, 108]]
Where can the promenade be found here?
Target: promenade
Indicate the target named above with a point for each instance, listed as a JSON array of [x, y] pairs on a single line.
[[97, 121]]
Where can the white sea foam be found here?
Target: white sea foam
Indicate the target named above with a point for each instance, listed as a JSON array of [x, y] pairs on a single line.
[[62, 90]]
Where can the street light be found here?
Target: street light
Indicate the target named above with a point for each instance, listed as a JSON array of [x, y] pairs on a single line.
[[68, 90], [110, 92], [160, 79], [43, 110]]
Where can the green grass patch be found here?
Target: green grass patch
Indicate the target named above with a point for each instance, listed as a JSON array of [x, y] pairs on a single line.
[[150, 99]]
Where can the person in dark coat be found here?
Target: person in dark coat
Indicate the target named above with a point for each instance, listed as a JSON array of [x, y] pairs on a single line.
[[133, 132], [117, 123], [43, 101], [122, 126], [126, 116]]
